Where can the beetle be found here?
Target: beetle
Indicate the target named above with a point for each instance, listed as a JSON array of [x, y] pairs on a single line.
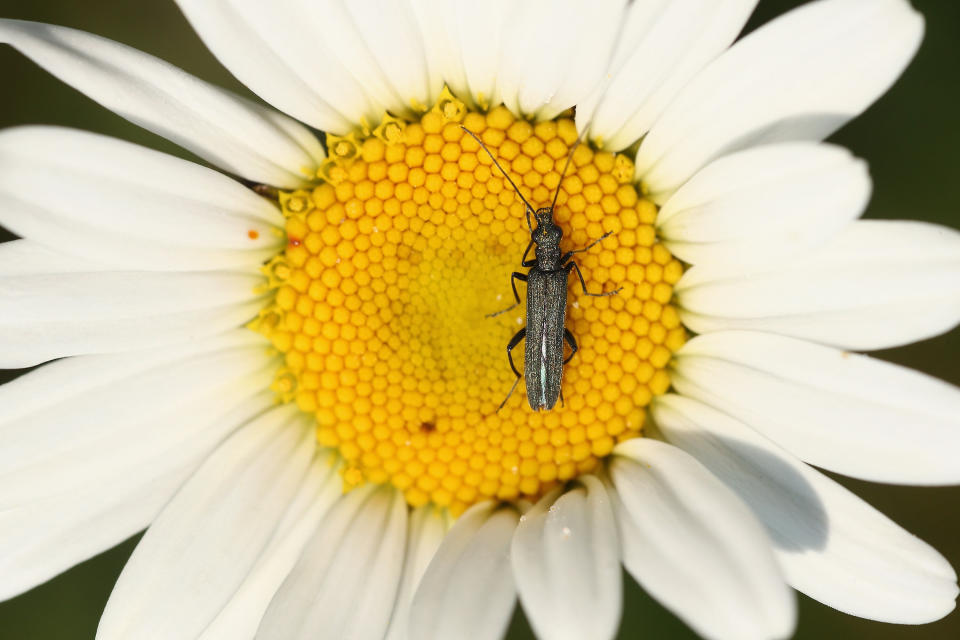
[[545, 331]]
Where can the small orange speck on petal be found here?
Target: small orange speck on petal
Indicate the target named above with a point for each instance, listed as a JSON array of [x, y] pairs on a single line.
[[253, 234]]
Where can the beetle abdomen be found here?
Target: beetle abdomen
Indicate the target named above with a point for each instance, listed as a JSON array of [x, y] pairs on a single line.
[[546, 313]]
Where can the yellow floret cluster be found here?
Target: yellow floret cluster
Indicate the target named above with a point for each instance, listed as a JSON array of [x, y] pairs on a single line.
[[393, 263]]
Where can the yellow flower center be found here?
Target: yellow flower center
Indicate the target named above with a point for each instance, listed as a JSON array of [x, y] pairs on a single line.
[[394, 262]]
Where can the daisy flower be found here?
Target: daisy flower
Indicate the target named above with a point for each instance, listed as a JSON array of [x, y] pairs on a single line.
[[285, 371]]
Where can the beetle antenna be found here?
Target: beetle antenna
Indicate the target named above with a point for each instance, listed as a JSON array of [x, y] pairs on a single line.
[[512, 183], [566, 166]]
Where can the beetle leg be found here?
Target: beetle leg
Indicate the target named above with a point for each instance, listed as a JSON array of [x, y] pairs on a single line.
[[523, 261], [514, 341], [572, 266], [510, 393], [516, 275], [569, 254], [572, 342], [573, 350]]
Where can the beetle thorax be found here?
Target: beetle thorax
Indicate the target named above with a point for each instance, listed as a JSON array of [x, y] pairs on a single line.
[[547, 237]]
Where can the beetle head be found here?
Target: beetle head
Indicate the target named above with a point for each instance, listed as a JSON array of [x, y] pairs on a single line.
[[544, 217], [547, 232]]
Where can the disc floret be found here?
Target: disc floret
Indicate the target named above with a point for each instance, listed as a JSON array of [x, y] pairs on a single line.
[[394, 259]]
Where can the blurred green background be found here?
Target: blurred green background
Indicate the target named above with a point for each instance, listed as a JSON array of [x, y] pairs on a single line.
[[910, 139]]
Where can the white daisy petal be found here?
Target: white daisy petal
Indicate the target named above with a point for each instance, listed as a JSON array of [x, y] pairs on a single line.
[[46, 537], [438, 33], [467, 591], [566, 560], [847, 413], [345, 582], [764, 205], [280, 51], [199, 549], [480, 32], [555, 53], [241, 616], [427, 527], [877, 284], [801, 77], [695, 547], [26, 257], [349, 29], [66, 496], [228, 131], [72, 377], [663, 46], [832, 545], [43, 540], [122, 204], [46, 316], [389, 29], [55, 432]]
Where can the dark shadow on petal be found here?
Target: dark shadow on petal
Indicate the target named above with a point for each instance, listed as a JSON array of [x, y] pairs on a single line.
[[782, 499], [804, 127]]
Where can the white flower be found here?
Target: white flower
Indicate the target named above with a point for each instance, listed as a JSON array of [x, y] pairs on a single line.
[[140, 271]]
